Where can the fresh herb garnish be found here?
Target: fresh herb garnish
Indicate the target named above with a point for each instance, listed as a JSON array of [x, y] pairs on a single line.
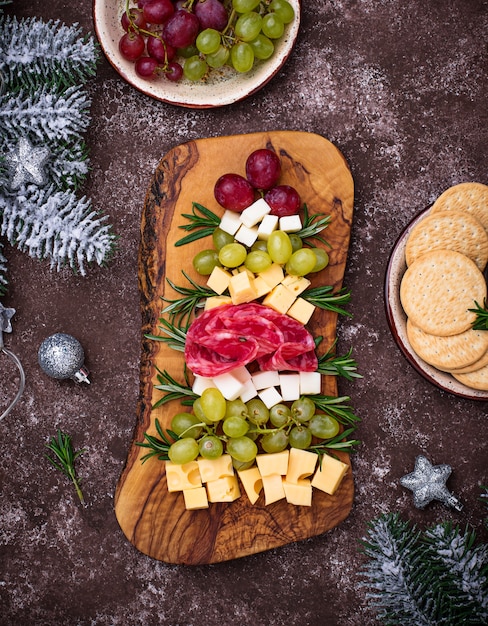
[[158, 447], [339, 443], [325, 298], [180, 310], [203, 222], [332, 365], [335, 407], [481, 321], [174, 390], [175, 337], [64, 459], [313, 225]]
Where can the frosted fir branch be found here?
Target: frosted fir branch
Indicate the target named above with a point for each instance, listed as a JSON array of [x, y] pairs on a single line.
[[56, 226], [35, 53], [3, 273]]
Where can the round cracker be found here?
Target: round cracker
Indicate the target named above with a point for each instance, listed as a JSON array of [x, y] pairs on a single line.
[[476, 380], [470, 197], [474, 366], [449, 230], [448, 353], [438, 290]]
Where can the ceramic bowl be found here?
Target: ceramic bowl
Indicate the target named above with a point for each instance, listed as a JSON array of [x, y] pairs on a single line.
[[223, 87], [397, 321]]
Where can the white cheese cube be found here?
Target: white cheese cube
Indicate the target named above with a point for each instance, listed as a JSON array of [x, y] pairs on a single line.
[[230, 386], [248, 391], [290, 223], [230, 222], [246, 236], [270, 397], [267, 226], [310, 383], [290, 386], [255, 213], [242, 373], [268, 378], [201, 383]]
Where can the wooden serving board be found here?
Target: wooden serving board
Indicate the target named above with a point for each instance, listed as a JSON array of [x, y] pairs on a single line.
[[154, 520]]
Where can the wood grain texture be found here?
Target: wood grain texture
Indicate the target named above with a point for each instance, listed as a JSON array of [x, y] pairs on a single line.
[[152, 519]]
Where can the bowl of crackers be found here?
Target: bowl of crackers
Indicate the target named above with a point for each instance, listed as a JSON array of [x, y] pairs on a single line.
[[435, 286]]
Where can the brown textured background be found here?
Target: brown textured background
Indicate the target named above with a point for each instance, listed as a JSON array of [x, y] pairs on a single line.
[[400, 88]]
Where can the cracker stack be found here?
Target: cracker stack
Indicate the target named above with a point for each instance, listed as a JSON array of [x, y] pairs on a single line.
[[446, 254]]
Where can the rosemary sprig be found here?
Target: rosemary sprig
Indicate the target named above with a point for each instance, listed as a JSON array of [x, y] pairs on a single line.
[[64, 459], [332, 365], [335, 407], [339, 443], [313, 225], [158, 447], [175, 337], [481, 321], [173, 389], [181, 309], [324, 298], [202, 220]]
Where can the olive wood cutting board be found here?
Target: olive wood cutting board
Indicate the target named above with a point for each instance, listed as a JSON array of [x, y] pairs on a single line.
[[154, 520]]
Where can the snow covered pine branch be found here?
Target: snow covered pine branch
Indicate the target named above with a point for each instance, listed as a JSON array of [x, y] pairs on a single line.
[[44, 111]]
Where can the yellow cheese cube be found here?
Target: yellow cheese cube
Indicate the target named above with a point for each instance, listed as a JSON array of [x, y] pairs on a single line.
[[300, 465], [212, 469], [224, 489], [301, 310], [273, 488], [214, 301], [328, 477], [299, 493], [185, 476], [219, 280], [252, 482], [280, 299], [195, 498], [261, 286], [241, 288], [276, 463], [272, 275], [296, 284]]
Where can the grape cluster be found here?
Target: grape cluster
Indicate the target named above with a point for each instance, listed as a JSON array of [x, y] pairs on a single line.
[[242, 430], [190, 38]]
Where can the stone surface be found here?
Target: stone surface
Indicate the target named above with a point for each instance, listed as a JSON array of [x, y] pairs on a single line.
[[400, 88]]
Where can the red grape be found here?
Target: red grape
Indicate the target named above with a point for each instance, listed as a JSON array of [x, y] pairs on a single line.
[[211, 14], [146, 67], [174, 72], [131, 46], [283, 200], [181, 29], [158, 11], [137, 18], [234, 192], [263, 168], [160, 50]]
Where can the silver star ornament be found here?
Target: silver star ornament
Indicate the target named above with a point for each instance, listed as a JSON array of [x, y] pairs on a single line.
[[26, 164], [428, 482], [5, 317]]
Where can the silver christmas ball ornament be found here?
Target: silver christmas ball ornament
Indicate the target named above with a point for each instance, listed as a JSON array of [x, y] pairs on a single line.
[[61, 356]]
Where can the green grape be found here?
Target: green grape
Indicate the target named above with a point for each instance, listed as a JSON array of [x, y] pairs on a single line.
[[248, 26], [232, 254], [322, 259], [279, 415], [303, 409], [241, 449], [257, 261], [187, 52], [274, 442], [324, 426], [220, 238], [205, 261], [300, 437], [236, 407], [296, 241], [258, 412], [242, 57], [284, 9], [262, 46], [208, 41], [183, 451], [273, 26], [235, 426], [213, 404], [195, 68], [184, 425], [218, 58], [240, 465], [279, 247], [210, 447], [260, 244], [199, 412], [301, 262], [243, 6]]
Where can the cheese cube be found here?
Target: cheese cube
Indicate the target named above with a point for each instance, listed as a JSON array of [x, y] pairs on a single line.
[[241, 373], [261, 287], [328, 477], [290, 386], [241, 288], [185, 476], [255, 212], [270, 397], [300, 465], [273, 488], [252, 482], [310, 383], [268, 224], [299, 493], [224, 489], [230, 386], [264, 379], [290, 223], [296, 284], [242, 268], [201, 383], [214, 301], [219, 280], [276, 463], [230, 222], [213, 469], [280, 299], [301, 310], [272, 275], [246, 236], [195, 498], [248, 391]]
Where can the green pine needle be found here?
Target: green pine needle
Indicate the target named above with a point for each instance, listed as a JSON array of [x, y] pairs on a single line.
[[64, 459]]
